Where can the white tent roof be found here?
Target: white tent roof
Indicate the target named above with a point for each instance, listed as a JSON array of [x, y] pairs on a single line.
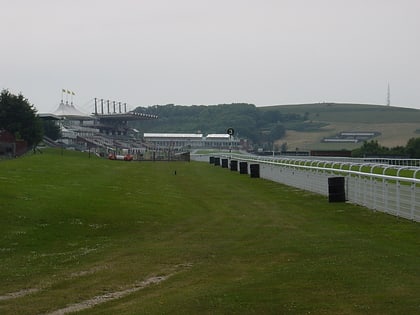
[[69, 110]]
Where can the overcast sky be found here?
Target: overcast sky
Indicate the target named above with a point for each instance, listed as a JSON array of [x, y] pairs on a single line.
[[264, 52]]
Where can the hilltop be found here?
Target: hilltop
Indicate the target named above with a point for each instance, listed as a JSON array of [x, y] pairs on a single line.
[[395, 124], [302, 126]]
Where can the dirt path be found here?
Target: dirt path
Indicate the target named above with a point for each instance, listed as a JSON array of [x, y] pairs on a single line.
[[100, 298], [24, 292], [18, 294], [109, 296]]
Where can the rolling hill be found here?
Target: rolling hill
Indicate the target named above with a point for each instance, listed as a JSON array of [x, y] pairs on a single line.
[[301, 126], [395, 124]]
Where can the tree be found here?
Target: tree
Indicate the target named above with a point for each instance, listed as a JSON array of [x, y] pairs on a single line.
[[51, 129], [369, 148], [373, 148], [18, 117], [413, 148], [277, 132]]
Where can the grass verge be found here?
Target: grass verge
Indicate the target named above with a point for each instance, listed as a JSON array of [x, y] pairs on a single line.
[[74, 228]]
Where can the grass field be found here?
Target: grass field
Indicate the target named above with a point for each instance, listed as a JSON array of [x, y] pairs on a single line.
[[113, 237]]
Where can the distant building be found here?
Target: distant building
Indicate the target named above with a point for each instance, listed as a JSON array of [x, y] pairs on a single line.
[[105, 130], [174, 140], [191, 140], [220, 141], [352, 137], [10, 146]]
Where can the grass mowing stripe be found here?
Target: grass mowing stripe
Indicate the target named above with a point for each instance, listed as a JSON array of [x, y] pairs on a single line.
[[255, 246]]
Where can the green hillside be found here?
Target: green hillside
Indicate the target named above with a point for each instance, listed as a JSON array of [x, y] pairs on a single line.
[[354, 113], [302, 126], [395, 124]]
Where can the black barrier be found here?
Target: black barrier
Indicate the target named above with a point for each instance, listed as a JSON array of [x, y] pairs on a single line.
[[225, 163], [217, 161], [254, 170], [336, 189], [212, 160], [234, 165], [243, 168]]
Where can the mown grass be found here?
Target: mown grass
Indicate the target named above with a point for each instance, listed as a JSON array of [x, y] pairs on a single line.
[[74, 228]]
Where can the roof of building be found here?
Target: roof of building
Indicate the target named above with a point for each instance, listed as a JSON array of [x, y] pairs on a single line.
[[124, 116], [47, 116], [173, 135], [67, 110], [218, 136]]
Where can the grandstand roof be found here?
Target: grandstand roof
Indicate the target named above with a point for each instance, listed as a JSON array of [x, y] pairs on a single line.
[[47, 116], [67, 110], [124, 116]]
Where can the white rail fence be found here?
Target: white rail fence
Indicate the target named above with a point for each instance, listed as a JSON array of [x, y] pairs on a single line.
[[393, 194]]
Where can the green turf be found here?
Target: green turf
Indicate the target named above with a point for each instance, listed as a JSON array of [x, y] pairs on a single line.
[[345, 112], [73, 228]]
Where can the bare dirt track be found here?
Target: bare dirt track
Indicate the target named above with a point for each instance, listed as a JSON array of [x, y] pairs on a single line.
[[99, 299], [109, 296]]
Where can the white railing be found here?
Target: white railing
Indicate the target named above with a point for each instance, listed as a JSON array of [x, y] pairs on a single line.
[[366, 184]]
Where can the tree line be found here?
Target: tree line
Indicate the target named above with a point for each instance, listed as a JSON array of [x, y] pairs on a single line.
[[246, 119], [373, 148], [19, 117]]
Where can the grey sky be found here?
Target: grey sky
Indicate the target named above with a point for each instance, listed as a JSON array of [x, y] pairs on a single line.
[[264, 52]]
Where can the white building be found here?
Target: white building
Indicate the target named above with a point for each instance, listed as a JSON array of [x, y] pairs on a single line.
[[191, 140], [220, 141], [175, 140]]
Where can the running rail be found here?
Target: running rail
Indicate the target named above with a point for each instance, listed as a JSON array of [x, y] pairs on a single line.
[[366, 184]]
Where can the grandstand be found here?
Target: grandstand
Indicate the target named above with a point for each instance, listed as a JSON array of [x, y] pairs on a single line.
[[107, 131], [192, 140], [100, 132]]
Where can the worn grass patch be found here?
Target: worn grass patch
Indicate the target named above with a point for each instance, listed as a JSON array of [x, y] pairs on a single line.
[[74, 230]]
